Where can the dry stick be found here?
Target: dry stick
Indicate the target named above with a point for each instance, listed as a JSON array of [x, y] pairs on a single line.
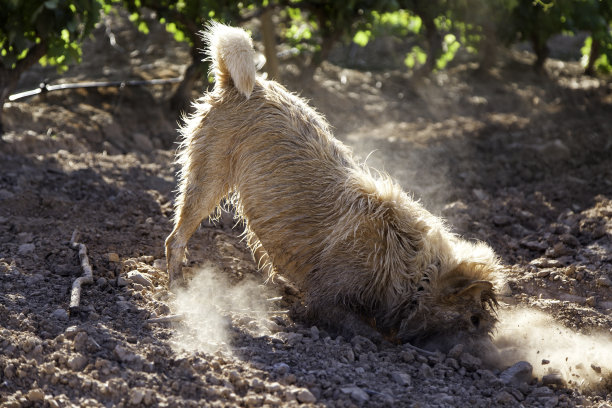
[[85, 279], [420, 350], [167, 319]]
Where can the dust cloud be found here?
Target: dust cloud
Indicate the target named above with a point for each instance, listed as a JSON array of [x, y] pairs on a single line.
[[527, 334], [212, 308]]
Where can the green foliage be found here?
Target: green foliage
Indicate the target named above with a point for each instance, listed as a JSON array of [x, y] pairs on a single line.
[[417, 56], [602, 62], [56, 25], [184, 19], [399, 23], [315, 25]]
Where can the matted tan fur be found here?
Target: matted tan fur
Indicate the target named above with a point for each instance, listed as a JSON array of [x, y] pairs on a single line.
[[364, 253]]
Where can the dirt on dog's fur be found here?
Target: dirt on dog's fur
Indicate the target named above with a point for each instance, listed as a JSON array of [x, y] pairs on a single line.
[[365, 254]]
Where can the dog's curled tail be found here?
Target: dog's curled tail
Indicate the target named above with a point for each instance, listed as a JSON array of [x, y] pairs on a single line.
[[230, 50]]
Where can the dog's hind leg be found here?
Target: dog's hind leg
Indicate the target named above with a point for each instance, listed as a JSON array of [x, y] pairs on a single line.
[[200, 191]]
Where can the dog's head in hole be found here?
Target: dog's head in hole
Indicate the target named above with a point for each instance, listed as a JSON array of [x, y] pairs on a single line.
[[368, 258]]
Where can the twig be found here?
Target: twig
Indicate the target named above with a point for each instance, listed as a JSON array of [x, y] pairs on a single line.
[[420, 350], [85, 279], [167, 319]]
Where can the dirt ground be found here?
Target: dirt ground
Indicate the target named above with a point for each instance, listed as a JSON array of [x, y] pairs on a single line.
[[513, 158]]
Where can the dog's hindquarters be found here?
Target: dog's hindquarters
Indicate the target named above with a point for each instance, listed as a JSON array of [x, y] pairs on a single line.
[[204, 174], [203, 183]]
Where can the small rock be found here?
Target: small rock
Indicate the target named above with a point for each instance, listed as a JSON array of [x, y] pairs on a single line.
[[480, 194], [160, 264], [71, 331], [25, 237], [77, 362], [362, 344], [272, 401], [136, 396], [139, 278], [356, 393], [553, 151], [540, 392], [35, 395], [314, 332], [294, 338], [544, 273], [470, 362], [456, 351], [604, 281], [558, 250], [506, 289], [544, 361], [550, 402], [407, 356], [546, 263], [257, 385], [253, 400], [112, 257], [60, 314], [121, 281], [281, 368], [570, 271], [517, 374], [534, 245], [123, 354], [80, 341], [26, 249], [305, 396], [505, 398], [591, 301], [402, 379], [425, 371], [290, 378], [570, 240], [5, 194], [553, 378], [452, 363], [502, 220], [148, 397], [137, 287], [596, 368], [142, 142]]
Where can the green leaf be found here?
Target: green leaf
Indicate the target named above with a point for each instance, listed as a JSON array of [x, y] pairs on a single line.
[[362, 38], [143, 27], [415, 56]]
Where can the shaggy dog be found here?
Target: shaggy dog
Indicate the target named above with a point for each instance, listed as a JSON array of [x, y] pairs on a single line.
[[367, 257]]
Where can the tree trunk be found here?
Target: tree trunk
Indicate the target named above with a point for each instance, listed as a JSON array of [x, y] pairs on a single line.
[[541, 51], [181, 100], [488, 49], [593, 55], [434, 45], [267, 33], [7, 85]]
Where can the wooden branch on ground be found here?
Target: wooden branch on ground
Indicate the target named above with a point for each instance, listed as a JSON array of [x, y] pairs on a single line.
[[167, 319], [85, 279]]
